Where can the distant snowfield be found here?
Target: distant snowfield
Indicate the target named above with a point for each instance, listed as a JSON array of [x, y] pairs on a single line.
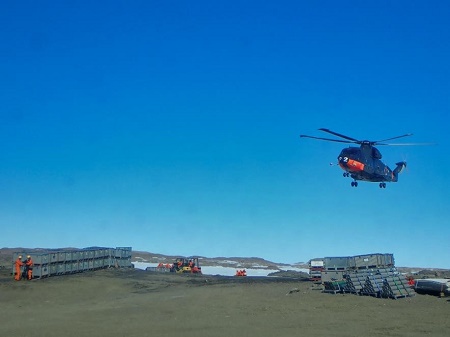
[[226, 271]]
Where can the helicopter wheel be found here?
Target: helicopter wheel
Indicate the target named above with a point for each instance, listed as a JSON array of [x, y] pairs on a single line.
[[382, 185], [345, 174], [354, 184]]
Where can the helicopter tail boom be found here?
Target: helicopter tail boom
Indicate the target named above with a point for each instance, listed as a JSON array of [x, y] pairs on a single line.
[[400, 166]]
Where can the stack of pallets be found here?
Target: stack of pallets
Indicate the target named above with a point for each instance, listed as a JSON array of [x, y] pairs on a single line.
[[383, 283]]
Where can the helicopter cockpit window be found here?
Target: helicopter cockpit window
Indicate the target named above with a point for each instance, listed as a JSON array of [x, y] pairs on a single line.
[[350, 151], [376, 153]]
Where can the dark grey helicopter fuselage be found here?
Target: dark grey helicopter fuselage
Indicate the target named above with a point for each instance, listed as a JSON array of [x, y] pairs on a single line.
[[364, 163]]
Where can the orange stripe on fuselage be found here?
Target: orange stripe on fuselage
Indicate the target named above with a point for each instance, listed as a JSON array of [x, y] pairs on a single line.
[[355, 166]]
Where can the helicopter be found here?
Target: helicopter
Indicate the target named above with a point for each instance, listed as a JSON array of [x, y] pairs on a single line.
[[364, 162]]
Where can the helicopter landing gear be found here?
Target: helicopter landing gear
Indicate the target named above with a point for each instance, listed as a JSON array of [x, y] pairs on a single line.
[[354, 184], [346, 174], [382, 185]]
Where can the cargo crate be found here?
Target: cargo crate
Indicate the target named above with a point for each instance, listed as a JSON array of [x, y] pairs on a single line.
[[372, 261], [61, 256], [118, 253], [40, 271], [76, 255], [76, 267], [90, 254], [386, 260], [331, 276], [69, 256], [98, 263], [98, 253], [53, 257], [61, 268], [123, 252], [53, 270], [124, 263], [336, 263], [110, 252], [40, 258]]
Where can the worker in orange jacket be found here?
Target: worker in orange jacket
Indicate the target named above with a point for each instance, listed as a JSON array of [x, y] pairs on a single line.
[[29, 267], [18, 264]]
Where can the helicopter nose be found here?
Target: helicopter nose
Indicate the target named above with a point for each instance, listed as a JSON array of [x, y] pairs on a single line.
[[342, 161], [350, 165]]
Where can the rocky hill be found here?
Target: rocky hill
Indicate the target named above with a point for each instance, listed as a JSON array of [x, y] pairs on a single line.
[[239, 262]]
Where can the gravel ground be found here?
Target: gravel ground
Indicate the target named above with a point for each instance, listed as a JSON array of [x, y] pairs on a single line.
[[137, 303]]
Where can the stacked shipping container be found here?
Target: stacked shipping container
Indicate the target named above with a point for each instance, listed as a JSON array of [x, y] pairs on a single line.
[[334, 268], [59, 262]]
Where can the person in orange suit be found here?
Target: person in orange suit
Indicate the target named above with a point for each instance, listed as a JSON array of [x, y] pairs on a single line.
[[29, 267], [18, 264]]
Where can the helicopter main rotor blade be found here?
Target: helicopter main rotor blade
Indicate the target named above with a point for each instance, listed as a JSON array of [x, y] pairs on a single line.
[[406, 144], [383, 140], [327, 139], [339, 135]]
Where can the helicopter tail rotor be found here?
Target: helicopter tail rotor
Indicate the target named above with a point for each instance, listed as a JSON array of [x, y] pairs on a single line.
[[405, 160]]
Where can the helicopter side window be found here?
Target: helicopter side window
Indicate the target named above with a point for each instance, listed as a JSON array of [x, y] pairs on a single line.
[[376, 153]]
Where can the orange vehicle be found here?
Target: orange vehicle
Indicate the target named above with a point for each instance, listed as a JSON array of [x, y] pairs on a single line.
[[186, 265], [241, 272]]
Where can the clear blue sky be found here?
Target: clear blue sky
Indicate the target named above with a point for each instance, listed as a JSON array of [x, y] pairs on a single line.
[[173, 126]]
